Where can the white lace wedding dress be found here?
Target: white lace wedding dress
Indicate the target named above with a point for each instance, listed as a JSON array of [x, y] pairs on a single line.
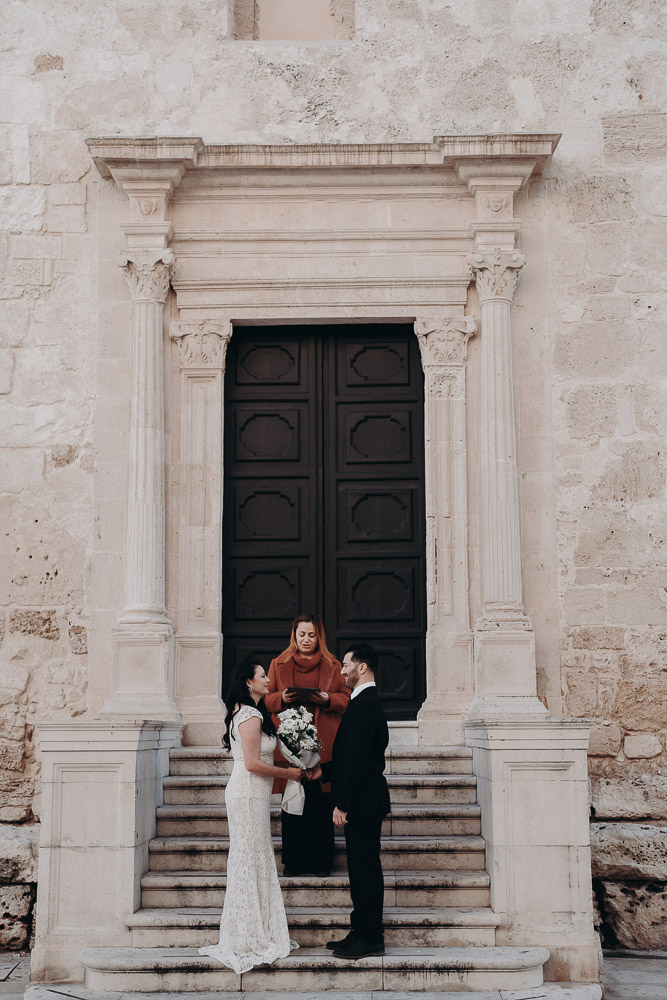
[[253, 926]]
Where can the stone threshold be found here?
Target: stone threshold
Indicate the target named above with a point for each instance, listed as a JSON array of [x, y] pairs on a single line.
[[549, 991]]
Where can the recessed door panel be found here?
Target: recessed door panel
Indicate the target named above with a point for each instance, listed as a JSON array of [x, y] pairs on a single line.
[[365, 364], [270, 512], [371, 514], [270, 364], [324, 501], [266, 590], [265, 433]]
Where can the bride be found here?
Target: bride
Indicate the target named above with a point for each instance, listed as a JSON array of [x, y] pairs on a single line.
[[253, 926]]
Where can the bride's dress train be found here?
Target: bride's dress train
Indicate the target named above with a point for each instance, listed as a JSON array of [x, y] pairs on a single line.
[[253, 926]]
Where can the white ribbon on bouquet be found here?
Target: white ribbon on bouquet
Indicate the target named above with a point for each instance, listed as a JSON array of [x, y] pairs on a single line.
[[294, 796]]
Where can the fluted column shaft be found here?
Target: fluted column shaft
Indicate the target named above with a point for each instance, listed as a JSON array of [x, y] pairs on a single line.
[[505, 668], [496, 276], [148, 277], [443, 344]]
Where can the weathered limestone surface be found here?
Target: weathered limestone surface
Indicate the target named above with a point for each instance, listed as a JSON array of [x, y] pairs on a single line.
[[18, 879], [594, 308]]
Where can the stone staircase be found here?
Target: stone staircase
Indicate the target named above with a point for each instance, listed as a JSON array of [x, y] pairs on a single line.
[[439, 927]]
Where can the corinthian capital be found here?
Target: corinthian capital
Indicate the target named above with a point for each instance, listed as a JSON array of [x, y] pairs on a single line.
[[148, 275], [496, 272], [443, 340], [202, 345]]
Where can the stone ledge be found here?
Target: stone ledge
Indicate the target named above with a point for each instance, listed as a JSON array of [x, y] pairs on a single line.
[[451, 151]]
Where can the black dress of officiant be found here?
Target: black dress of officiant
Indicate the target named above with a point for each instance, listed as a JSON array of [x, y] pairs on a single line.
[[308, 840]]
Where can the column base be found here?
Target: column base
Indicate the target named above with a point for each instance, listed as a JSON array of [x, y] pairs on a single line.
[[505, 668], [197, 685], [508, 709], [101, 784], [142, 672], [532, 783], [439, 726]]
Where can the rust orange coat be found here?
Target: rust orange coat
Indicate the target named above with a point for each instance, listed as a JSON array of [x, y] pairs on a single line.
[[326, 717]]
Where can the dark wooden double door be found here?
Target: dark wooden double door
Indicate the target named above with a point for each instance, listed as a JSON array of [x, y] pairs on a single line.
[[324, 496]]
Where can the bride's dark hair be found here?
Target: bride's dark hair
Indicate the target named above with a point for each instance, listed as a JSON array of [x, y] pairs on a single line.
[[238, 694]]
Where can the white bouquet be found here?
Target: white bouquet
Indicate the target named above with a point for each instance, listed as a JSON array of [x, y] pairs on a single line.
[[299, 745]]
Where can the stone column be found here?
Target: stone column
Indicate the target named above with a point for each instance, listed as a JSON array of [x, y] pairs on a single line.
[[505, 669], [142, 683], [496, 274], [142, 674], [443, 344], [200, 354], [504, 638], [148, 278]]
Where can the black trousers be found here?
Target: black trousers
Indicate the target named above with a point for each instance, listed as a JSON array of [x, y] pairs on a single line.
[[362, 840], [308, 840]]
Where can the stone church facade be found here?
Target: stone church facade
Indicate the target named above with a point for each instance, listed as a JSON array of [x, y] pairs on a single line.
[[490, 181]]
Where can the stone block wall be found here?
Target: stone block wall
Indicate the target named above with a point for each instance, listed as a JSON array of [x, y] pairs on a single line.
[[591, 69]]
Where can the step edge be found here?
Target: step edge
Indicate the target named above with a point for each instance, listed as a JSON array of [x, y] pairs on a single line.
[[490, 958]]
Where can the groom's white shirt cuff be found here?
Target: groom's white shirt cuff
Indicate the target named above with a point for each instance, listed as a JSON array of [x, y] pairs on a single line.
[[362, 687]]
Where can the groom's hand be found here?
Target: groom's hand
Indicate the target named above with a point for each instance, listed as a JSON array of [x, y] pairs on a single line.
[[339, 817], [313, 773]]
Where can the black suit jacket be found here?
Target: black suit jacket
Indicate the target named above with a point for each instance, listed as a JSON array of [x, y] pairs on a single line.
[[356, 769]]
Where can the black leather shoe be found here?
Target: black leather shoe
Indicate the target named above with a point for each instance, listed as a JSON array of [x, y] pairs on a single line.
[[342, 943], [291, 872], [359, 949]]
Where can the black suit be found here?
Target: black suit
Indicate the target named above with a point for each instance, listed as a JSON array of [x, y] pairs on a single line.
[[359, 788]]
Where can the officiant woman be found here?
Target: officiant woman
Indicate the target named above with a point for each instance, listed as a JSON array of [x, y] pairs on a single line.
[[308, 840]]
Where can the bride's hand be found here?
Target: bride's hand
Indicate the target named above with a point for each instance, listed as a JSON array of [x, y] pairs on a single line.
[[294, 773]]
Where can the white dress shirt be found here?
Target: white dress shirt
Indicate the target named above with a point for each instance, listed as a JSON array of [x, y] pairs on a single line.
[[362, 687]]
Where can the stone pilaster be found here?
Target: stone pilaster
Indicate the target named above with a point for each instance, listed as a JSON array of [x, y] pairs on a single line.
[[200, 352], [142, 677], [148, 278], [496, 274], [505, 668], [450, 685]]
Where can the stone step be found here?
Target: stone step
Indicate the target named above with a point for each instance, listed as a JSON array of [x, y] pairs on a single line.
[[314, 926], [210, 853], [547, 991], [400, 760], [452, 789], [401, 888], [415, 819], [183, 970]]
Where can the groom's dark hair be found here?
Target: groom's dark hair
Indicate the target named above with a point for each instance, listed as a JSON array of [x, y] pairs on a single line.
[[361, 652]]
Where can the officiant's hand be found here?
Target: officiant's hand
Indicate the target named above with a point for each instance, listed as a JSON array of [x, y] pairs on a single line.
[[320, 697], [293, 773], [339, 817], [288, 697], [313, 773]]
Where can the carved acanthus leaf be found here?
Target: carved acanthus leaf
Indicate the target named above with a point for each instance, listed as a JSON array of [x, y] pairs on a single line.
[[496, 272], [202, 345], [444, 339], [148, 275]]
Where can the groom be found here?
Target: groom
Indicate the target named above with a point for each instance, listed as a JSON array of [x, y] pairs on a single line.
[[361, 797]]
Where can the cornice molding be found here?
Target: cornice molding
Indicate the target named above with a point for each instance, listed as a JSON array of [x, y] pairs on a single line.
[[469, 155]]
